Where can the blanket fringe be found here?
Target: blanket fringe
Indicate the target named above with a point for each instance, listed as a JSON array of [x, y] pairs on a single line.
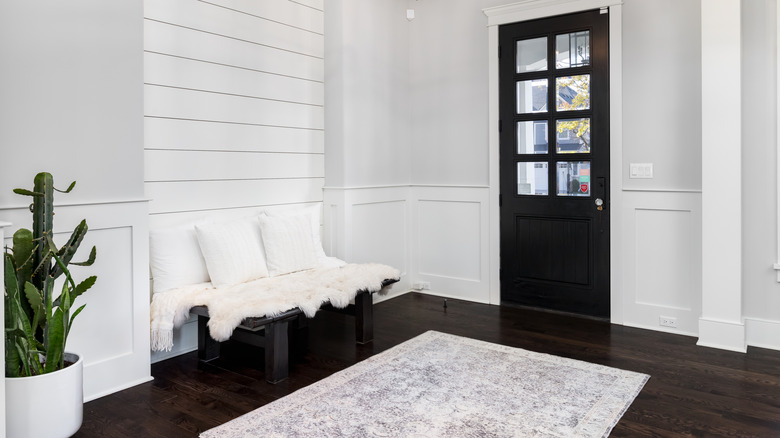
[[162, 339]]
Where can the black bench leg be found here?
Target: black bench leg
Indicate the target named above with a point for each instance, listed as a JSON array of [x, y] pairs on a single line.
[[364, 318], [208, 348], [276, 352]]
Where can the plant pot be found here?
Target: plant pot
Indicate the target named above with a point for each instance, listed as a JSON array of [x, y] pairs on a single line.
[[49, 405]]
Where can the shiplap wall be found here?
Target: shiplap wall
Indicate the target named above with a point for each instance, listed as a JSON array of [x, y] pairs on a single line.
[[234, 117], [233, 104]]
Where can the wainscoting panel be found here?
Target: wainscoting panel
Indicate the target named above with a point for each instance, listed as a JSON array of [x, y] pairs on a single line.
[[662, 271], [112, 332], [364, 225], [383, 225], [446, 229], [451, 241]]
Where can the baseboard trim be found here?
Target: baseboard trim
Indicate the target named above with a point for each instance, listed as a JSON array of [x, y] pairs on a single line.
[[724, 335], [762, 333]]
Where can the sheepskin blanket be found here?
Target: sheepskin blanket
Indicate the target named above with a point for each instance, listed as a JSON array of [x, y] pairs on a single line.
[[228, 306]]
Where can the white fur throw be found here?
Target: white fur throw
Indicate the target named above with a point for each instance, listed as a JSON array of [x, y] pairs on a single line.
[[306, 290]]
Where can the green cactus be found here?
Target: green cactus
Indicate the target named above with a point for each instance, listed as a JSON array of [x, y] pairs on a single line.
[[36, 323]]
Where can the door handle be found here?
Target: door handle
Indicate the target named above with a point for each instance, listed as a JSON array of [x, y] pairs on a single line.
[[601, 186]]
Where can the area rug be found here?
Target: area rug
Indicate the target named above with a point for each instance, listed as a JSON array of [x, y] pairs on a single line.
[[441, 385]]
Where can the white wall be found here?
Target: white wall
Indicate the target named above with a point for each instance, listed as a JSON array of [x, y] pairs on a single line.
[[71, 96], [72, 105], [367, 60], [659, 238], [449, 93], [234, 112]]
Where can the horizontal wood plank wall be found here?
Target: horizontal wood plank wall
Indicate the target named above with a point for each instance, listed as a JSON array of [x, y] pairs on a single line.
[[234, 116], [234, 94]]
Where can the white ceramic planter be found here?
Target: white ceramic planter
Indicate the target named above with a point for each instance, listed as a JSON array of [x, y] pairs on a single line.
[[50, 405]]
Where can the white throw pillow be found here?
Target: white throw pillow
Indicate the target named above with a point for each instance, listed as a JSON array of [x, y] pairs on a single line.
[[233, 251], [288, 242], [175, 259], [313, 213]]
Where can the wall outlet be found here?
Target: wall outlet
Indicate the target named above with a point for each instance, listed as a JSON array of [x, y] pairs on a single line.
[[421, 285], [667, 321]]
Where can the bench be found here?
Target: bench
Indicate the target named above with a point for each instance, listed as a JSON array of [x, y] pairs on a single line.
[[250, 280], [272, 333]]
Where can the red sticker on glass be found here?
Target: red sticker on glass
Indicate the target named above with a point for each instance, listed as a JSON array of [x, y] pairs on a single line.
[[584, 188]]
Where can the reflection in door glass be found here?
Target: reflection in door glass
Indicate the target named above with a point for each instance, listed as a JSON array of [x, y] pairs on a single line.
[[532, 96], [531, 55], [573, 92], [572, 49], [532, 178], [572, 136], [573, 178], [532, 137]]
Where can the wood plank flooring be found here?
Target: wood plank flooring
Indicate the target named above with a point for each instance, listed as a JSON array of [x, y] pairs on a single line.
[[692, 391]]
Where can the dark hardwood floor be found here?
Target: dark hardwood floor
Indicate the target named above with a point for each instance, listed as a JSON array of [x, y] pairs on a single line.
[[692, 391]]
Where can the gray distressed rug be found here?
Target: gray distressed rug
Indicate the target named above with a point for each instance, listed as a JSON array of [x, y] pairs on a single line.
[[440, 385]]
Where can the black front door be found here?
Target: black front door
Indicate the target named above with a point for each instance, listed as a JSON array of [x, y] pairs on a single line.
[[554, 163]]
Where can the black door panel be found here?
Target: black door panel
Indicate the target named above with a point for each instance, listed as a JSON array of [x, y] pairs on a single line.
[[554, 163]]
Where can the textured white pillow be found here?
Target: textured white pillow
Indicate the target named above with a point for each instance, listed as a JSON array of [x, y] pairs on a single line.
[[233, 251], [313, 213], [175, 258], [288, 242]]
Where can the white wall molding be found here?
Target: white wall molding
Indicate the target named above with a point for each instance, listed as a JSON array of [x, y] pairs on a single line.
[[112, 333], [529, 10], [762, 333], [725, 335], [721, 319], [532, 9], [443, 229], [452, 241], [363, 225]]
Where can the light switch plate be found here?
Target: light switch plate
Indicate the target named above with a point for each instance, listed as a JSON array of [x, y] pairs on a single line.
[[640, 170]]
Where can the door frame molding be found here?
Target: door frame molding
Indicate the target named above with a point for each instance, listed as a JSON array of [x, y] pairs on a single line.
[[529, 10]]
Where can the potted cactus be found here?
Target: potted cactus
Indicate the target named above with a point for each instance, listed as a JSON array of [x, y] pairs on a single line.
[[37, 322]]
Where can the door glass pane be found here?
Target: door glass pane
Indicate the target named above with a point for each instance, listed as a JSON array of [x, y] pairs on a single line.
[[572, 49], [572, 136], [573, 178], [532, 178], [532, 137], [573, 92], [531, 55], [532, 96]]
